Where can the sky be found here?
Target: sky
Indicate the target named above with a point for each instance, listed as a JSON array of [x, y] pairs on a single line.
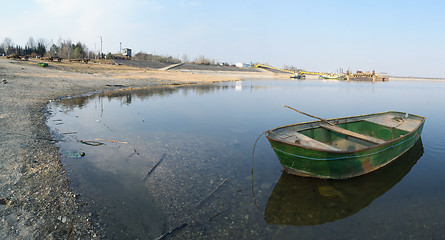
[[401, 38]]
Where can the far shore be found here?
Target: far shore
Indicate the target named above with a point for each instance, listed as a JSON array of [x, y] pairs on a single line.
[[194, 73], [415, 79]]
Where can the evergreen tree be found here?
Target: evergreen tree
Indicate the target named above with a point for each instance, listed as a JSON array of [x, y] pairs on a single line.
[[41, 49]]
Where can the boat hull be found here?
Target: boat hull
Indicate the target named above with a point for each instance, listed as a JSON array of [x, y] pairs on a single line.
[[312, 162]]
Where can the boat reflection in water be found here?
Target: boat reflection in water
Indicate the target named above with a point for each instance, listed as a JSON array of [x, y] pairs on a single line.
[[304, 201]]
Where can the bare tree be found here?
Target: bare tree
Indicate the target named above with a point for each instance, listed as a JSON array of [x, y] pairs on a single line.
[[31, 43], [204, 61], [290, 67], [7, 45], [65, 49], [185, 58]]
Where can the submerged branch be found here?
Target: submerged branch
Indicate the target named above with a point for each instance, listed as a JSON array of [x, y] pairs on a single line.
[[91, 143], [149, 172], [172, 231], [113, 141], [210, 194], [133, 153]]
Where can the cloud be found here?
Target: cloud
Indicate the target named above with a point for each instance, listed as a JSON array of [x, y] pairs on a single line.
[[61, 8], [84, 20]]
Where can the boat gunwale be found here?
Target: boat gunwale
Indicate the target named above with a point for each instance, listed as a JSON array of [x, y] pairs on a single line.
[[342, 151]]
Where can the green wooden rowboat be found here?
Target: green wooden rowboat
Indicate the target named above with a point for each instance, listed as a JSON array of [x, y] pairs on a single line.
[[346, 147], [304, 201]]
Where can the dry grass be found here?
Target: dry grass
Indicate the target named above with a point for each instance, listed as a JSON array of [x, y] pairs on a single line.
[[127, 72]]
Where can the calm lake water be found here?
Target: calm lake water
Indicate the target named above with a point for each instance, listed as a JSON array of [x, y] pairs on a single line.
[[204, 137]]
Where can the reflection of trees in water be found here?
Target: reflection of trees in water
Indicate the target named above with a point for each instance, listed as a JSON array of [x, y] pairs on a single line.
[[71, 102], [126, 96], [204, 89]]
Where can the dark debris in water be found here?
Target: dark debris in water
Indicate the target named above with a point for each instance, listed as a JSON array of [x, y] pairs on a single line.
[[160, 160], [91, 143], [74, 154]]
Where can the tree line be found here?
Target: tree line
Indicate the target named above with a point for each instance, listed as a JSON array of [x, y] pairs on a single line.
[[152, 57], [44, 48], [68, 50]]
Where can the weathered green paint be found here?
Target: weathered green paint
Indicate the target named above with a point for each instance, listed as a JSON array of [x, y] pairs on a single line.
[[305, 161]]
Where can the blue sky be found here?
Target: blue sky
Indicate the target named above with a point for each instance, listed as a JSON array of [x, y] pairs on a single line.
[[404, 38]]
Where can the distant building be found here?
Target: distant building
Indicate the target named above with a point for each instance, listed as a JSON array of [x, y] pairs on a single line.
[[222, 64], [240, 65], [126, 52]]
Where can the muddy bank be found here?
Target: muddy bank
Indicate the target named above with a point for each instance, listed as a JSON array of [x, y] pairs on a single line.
[[35, 199]]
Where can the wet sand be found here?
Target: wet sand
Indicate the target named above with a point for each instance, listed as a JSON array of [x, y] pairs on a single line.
[[36, 201]]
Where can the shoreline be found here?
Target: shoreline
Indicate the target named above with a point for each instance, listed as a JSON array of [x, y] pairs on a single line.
[[420, 79], [36, 201]]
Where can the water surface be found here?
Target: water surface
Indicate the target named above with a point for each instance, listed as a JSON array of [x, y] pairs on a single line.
[[205, 136]]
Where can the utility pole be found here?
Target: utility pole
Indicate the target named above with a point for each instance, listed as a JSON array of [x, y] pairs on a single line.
[[120, 47], [100, 54]]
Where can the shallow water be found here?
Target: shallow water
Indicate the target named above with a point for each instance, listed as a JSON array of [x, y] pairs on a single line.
[[205, 136]]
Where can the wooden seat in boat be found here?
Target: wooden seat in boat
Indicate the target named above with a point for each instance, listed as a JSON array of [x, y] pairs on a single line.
[[352, 134], [309, 142]]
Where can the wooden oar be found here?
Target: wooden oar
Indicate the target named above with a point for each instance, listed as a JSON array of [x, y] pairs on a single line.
[[324, 120]]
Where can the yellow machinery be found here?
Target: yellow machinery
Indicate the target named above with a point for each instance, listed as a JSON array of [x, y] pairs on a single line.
[[273, 68], [295, 73]]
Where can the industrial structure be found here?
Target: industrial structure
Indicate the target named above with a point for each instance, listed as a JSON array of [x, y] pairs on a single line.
[[126, 52], [358, 76]]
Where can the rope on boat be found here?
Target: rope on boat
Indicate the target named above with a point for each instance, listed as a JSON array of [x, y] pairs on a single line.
[[399, 120], [253, 157]]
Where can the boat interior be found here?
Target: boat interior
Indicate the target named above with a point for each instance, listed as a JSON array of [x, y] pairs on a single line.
[[350, 133]]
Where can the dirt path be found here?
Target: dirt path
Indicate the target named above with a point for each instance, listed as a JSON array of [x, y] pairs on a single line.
[[35, 199]]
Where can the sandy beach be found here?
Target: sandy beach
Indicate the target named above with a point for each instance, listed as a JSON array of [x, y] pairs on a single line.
[[35, 199]]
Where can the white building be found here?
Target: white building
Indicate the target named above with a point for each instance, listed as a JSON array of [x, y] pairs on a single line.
[[126, 52], [240, 65]]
